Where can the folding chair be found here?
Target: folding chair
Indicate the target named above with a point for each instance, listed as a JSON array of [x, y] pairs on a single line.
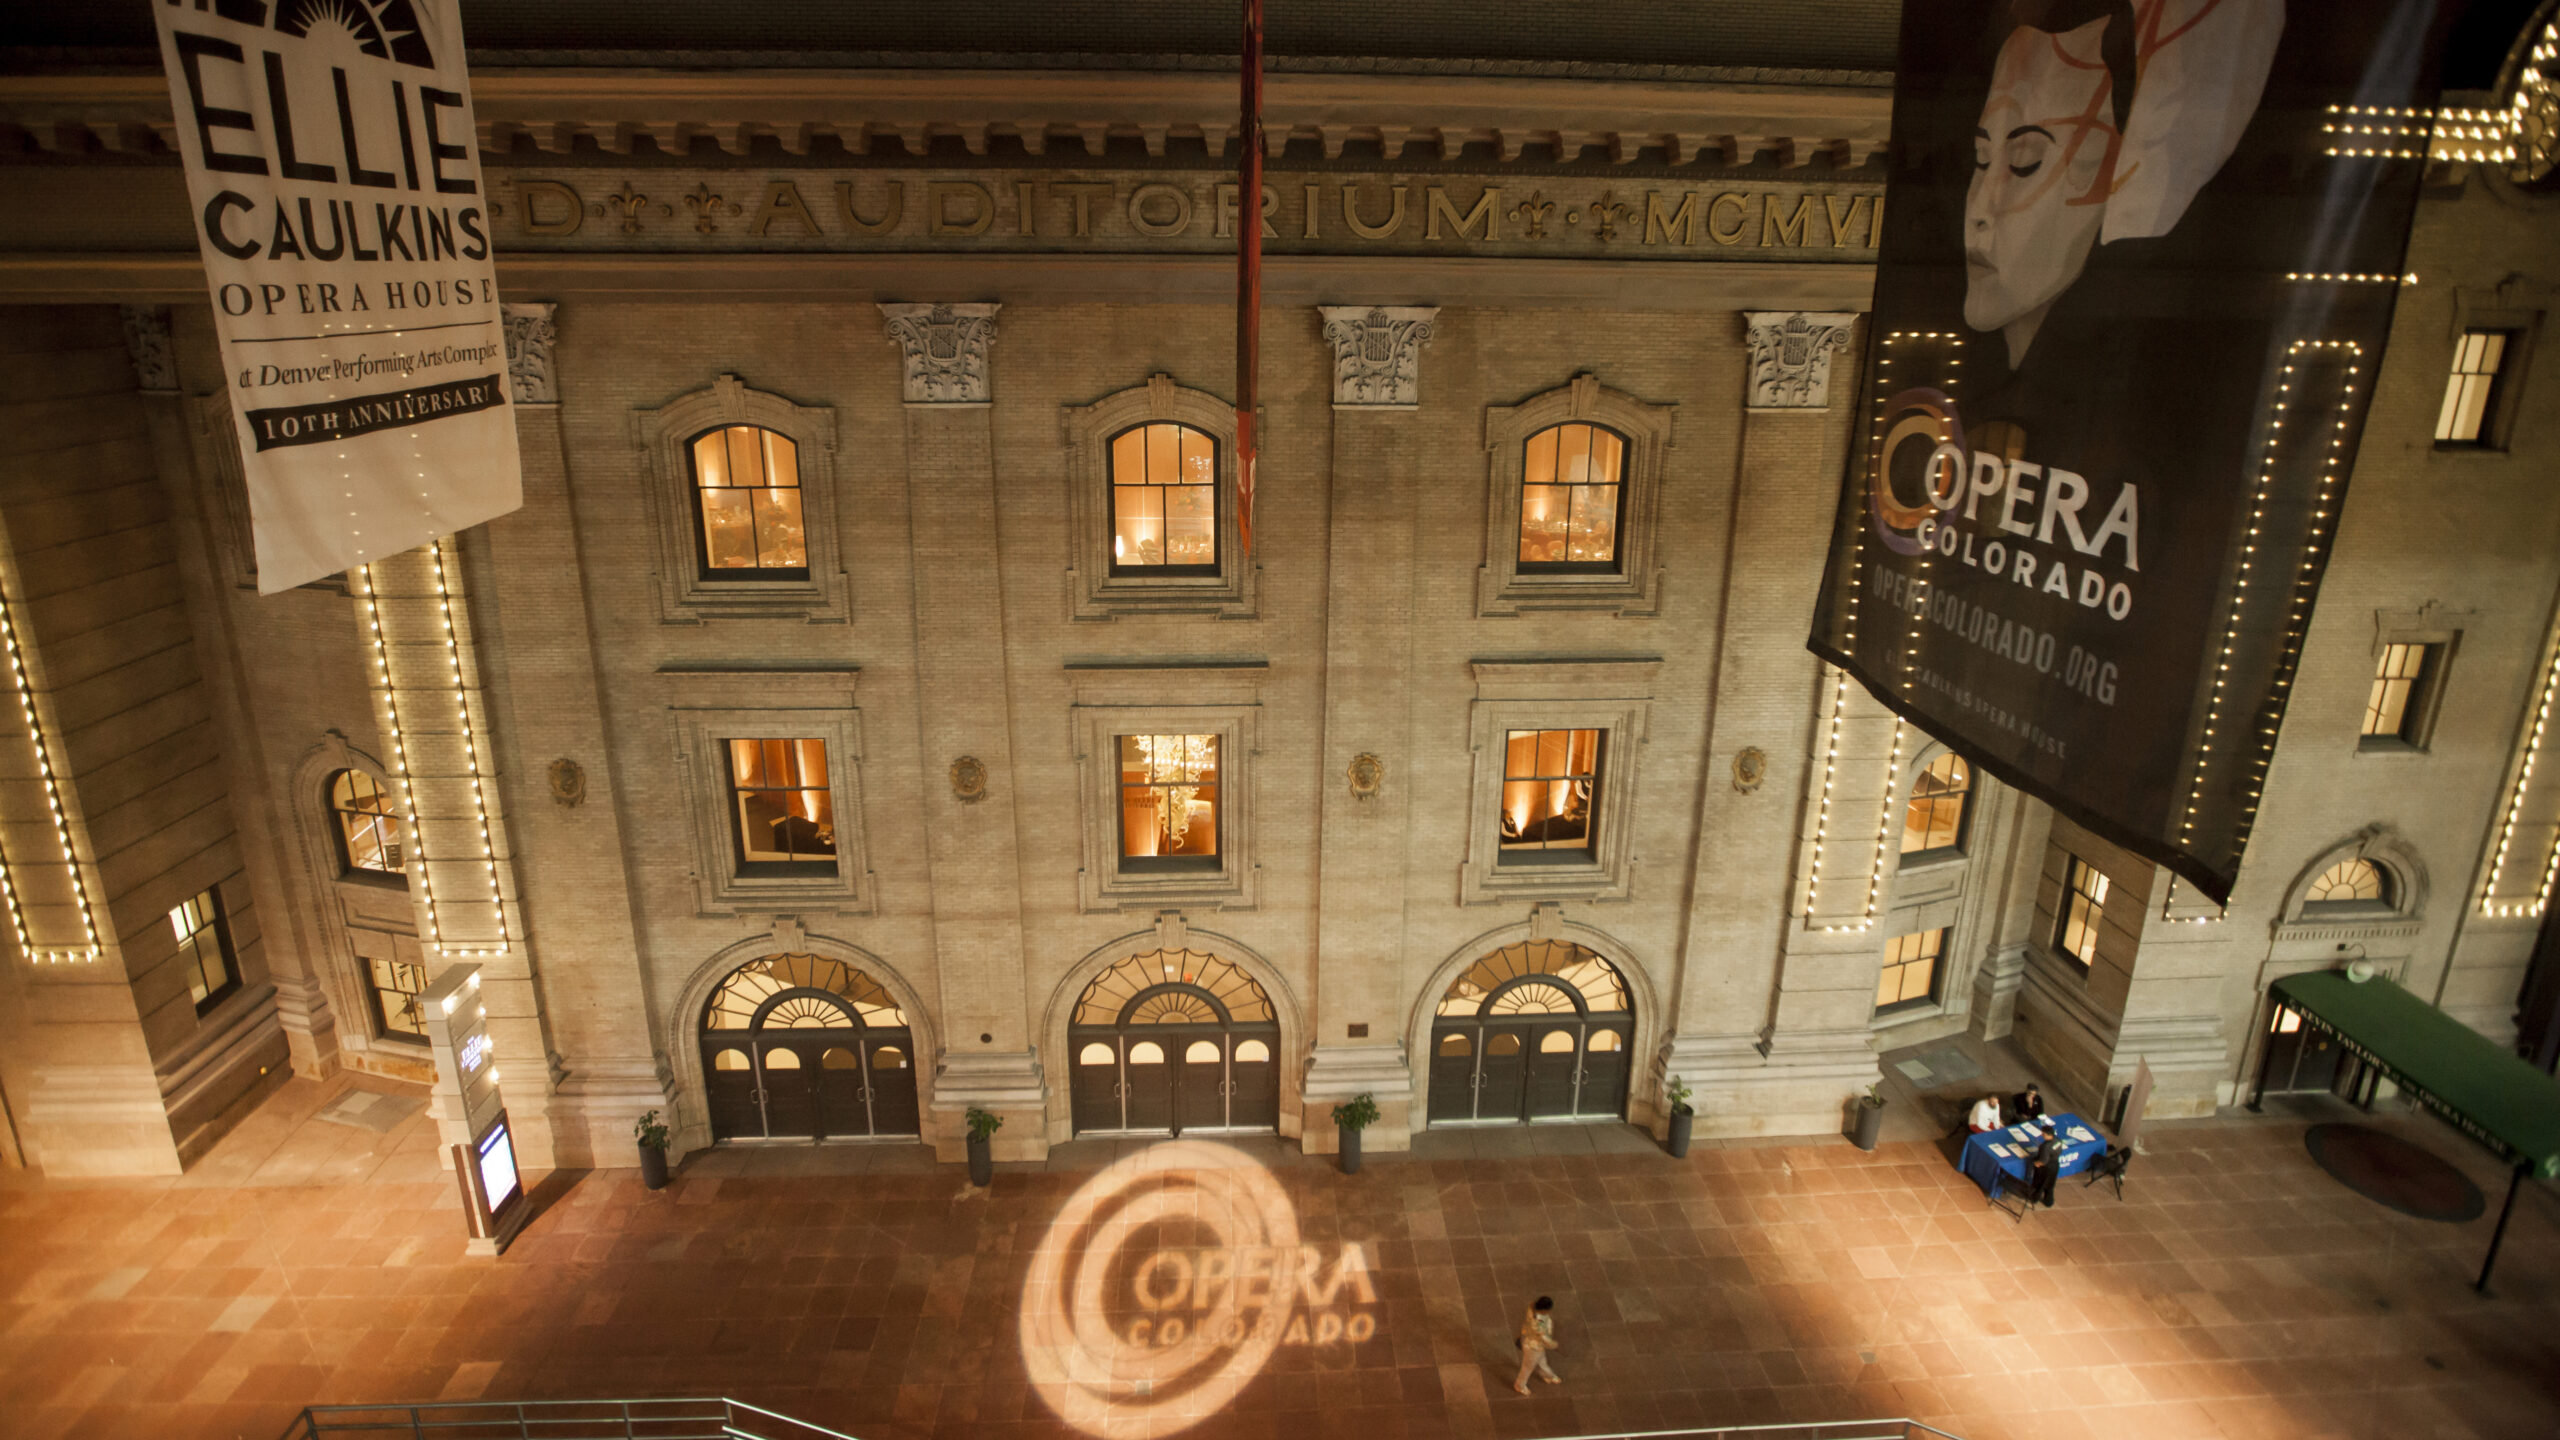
[[2005, 1187], [2110, 1166]]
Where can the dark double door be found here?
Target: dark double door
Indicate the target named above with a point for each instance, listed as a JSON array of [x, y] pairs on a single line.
[[2300, 1057], [1548, 1068], [810, 1084], [1166, 1079]]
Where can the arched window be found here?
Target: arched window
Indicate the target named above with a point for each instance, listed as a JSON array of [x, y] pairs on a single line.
[[1572, 498], [1174, 1040], [806, 1046], [1939, 798], [1164, 501], [746, 484], [2351, 885], [368, 832]]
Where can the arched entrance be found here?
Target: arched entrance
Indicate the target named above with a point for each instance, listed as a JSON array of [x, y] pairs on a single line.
[[1173, 1041], [804, 1047], [1536, 1031]]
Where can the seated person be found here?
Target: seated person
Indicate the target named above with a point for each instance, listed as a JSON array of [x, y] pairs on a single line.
[[1985, 1115], [2027, 1104]]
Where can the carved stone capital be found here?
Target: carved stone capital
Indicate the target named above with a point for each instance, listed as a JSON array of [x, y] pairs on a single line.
[[531, 379], [946, 351], [1791, 354], [1377, 354], [146, 338]]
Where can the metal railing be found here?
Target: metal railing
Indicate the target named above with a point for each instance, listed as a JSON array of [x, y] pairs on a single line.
[[689, 1419], [1804, 1430]]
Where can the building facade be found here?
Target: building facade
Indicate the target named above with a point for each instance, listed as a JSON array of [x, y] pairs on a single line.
[[884, 704]]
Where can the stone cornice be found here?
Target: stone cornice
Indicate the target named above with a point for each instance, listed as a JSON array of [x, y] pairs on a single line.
[[553, 110]]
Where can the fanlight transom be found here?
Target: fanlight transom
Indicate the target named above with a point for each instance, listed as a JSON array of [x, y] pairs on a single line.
[[1562, 971], [1181, 973], [846, 995]]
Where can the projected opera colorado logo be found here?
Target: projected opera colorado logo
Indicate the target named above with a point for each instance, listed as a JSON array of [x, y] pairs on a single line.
[[1167, 1282]]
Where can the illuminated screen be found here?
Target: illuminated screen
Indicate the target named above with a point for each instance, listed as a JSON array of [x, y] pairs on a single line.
[[1166, 1283], [498, 1166]]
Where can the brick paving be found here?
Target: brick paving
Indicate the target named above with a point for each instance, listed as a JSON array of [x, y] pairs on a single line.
[[2236, 1291]]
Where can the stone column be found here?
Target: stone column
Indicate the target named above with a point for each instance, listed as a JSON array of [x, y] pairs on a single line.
[[990, 1058], [1770, 1021], [555, 752], [1363, 838]]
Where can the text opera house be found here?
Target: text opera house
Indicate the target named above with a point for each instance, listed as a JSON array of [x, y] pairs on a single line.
[[886, 702]]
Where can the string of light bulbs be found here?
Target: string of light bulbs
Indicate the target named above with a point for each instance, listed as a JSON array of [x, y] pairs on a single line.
[[2490, 906], [89, 949]]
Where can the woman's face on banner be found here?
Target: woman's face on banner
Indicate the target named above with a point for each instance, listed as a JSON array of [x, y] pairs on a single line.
[[2030, 216]]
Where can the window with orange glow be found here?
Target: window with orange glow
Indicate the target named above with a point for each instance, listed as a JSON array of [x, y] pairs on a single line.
[[368, 833], [1168, 801], [746, 483], [784, 811], [1571, 499], [1164, 501], [1934, 820], [1550, 785]]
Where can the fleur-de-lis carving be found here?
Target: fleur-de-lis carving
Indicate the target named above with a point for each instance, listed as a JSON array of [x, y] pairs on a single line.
[[1605, 214], [1533, 213], [707, 208], [630, 201]]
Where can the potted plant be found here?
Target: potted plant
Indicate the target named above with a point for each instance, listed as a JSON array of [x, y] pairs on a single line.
[[652, 1136], [1682, 1116], [983, 1125], [1350, 1118], [1870, 1117]]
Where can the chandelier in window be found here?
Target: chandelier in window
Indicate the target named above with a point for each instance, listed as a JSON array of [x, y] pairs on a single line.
[[1176, 766]]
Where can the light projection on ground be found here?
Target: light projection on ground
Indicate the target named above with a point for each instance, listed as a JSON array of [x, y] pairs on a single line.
[[1166, 1284]]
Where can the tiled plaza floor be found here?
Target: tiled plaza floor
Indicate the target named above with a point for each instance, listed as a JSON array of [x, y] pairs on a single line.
[[2235, 1291]]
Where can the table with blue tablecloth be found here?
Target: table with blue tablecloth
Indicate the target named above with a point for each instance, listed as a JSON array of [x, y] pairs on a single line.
[[1982, 1163]]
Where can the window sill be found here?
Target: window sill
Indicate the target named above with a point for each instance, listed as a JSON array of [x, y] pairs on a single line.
[[1923, 861], [213, 1002], [788, 870], [2474, 448], [2388, 746], [374, 879], [1549, 860], [1906, 1011], [1141, 866]]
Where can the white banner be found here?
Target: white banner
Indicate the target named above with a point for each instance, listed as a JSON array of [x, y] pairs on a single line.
[[332, 162]]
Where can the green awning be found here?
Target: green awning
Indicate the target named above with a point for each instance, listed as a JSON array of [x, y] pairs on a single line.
[[2486, 1092]]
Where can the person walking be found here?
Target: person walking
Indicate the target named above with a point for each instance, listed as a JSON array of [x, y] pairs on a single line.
[[1537, 1337]]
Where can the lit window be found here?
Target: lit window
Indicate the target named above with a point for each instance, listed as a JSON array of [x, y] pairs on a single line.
[[368, 833], [747, 483], [2471, 393], [204, 949], [1935, 819], [396, 984], [1910, 970], [1164, 500], [1168, 801], [2350, 885], [2395, 711], [1571, 499], [1549, 780], [2084, 908], [785, 812]]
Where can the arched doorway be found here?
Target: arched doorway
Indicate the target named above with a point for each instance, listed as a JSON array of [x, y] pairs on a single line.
[[1174, 1041], [804, 1047], [1535, 1031]]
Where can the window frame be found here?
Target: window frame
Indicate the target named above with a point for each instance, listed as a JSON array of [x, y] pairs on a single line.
[[1099, 590], [1937, 959], [771, 869], [1954, 850], [219, 922], [1120, 570], [2070, 897], [348, 869], [1614, 696], [689, 593], [382, 1028], [1618, 550], [1633, 585], [704, 571], [2492, 430], [1110, 700], [2416, 733], [1548, 853], [810, 703], [1161, 863]]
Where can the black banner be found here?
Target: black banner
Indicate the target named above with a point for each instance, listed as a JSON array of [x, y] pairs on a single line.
[[364, 414], [2138, 266]]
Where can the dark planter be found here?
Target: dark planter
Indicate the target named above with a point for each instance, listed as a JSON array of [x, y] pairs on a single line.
[[1681, 1121], [653, 1167], [1870, 1121], [982, 1160], [1350, 1149]]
